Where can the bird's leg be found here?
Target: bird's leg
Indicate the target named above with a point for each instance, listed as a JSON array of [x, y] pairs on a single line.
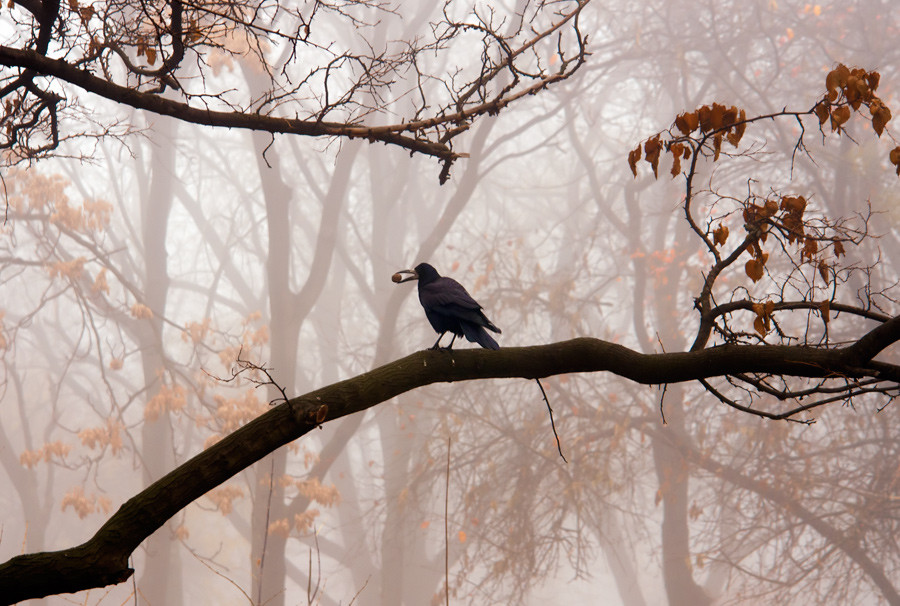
[[435, 346], [451, 342]]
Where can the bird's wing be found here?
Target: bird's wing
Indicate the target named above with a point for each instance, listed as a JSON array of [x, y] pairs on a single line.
[[447, 293], [446, 299]]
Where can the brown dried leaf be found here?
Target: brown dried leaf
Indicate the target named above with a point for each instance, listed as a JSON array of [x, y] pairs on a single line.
[[717, 116], [754, 269], [652, 149], [881, 115], [705, 116], [759, 324], [633, 157], [873, 78], [737, 132], [676, 150], [794, 205], [838, 249], [810, 248], [839, 117], [720, 235], [852, 92], [763, 313], [822, 111], [825, 310], [687, 122], [837, 78]]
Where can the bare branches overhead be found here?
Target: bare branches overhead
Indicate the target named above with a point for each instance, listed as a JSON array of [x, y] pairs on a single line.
[[419, 91]]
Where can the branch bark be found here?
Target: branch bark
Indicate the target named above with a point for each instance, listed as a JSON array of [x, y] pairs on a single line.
[[163, 106], [103, 559]]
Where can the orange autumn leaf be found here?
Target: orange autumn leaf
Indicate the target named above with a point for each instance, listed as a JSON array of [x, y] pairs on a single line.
[[838, 248], [825, 310], [839, 117], [720, 235], [687, 123], [836, 78], [794, 204], [881, 115], [677, 149], [810, 248], [754, 269], [763, 313], [873, 78], [822, 111], [712, 117], [652, 149], [895, 156], [633, 157], [737, 132], [759, 326]]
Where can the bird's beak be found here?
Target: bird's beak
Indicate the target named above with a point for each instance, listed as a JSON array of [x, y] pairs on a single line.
[[398, 278]]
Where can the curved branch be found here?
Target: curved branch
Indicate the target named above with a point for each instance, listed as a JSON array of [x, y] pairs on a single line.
[[63, 70], [876, 341], [103, 559]]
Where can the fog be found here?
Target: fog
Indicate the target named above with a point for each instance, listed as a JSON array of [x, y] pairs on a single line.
[[139, 270]]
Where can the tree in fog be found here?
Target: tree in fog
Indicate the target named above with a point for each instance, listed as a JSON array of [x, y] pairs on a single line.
[[164, 58], [153, 63]]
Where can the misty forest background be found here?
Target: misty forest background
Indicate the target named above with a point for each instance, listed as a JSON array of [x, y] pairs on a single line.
[[135, 269]]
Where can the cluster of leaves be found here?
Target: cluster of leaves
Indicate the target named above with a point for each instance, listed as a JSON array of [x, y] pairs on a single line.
[[787, 217], [820, 242], [851, 88], [847, 91], [85, 504], [714, 121]]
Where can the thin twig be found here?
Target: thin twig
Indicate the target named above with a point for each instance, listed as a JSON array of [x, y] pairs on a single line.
[[311, 594], [662, 398], [552, 424], [245, 366], [447, 528], [262, 555]]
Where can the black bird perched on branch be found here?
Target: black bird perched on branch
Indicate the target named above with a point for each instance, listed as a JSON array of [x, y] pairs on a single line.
[[449, 307]]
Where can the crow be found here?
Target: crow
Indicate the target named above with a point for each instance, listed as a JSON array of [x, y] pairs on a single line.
[[449, 307]]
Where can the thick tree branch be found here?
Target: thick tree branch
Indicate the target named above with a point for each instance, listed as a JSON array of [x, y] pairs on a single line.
[[104, 558], [63, 70]]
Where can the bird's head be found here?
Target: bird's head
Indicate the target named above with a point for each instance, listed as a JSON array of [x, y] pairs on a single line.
[[422, 271]]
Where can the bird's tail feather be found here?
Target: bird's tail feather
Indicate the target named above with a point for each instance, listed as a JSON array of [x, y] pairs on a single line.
[[489, 325], [487, 341], [477, 334]]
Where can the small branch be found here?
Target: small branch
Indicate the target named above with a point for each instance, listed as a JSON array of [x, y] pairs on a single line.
[[247, 365], [447, 527], [552, 423]]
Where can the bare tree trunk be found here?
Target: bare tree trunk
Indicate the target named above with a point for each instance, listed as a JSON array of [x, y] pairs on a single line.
[[160, 581]]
